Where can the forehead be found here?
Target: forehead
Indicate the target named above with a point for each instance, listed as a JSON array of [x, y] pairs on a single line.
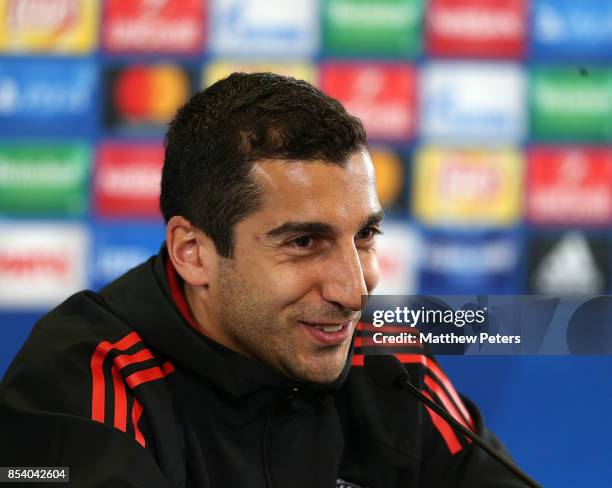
[[317, 190]]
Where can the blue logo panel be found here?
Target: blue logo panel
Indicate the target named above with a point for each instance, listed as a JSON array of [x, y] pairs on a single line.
[[286, 29], [460, 102], [119, 247], [469, 262], [47, 97], [572, 29]]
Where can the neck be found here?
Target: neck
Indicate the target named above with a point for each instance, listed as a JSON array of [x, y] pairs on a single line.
[[203, 319]]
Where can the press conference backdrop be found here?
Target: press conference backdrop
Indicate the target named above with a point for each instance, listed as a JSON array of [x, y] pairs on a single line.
[[489, 122]]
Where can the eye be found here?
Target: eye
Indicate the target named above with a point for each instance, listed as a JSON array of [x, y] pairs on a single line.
[[302, 242], [368, 233]]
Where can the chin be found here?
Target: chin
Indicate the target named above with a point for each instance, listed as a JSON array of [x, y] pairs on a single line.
[[326, 370], [326, 379]]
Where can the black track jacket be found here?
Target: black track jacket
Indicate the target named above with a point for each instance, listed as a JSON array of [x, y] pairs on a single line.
[[119, 387]]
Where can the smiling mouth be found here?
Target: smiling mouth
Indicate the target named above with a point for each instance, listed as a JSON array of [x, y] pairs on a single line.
[[325, 325], [328, 328], [326, 334]]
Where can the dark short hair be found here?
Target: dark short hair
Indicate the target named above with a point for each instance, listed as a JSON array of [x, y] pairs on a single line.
[[216, 137]]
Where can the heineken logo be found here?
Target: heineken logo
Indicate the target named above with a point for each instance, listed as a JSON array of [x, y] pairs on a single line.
[[46, 173], [44, 177], [566, 103], [373, 14], [573, 98], [374, 26]]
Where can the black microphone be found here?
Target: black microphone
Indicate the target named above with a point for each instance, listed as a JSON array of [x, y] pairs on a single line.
[[387, 369]]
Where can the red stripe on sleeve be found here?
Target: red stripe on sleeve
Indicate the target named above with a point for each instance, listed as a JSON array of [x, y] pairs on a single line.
[[144, 376], [453, 444], [136, 412], [446, 402], [125, 360], [435, 369], [150, 374], [97, 373], [167, 368], [358, 360], [120, 420]]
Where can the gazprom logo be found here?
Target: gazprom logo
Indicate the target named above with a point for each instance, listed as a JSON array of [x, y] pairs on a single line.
[[282, 28], [461, 102]]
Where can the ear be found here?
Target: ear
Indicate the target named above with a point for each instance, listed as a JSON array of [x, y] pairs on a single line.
[[193, 253]]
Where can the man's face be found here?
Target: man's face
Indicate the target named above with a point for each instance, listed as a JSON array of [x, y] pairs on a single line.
[[291, 295]]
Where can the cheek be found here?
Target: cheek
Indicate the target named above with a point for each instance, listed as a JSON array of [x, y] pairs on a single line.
[[371, 273], [291, 283], [282, 284]]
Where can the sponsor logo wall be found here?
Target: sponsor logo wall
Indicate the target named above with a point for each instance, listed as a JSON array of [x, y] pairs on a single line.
[[127, 179], [383, 96], [567, 29], [141, 26], [467, 262], [569, 186], [467, 187], [58, 26], [140, 98], [475, 28], [378, 28], [44, 178], [41, 263], [489, 121], [463, 102], [121, 245], [569, 262], [48, 97]]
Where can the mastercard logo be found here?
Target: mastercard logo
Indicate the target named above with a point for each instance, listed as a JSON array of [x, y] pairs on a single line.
[[151, 94]]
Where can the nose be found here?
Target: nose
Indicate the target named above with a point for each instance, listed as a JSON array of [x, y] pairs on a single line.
[[345, 282]]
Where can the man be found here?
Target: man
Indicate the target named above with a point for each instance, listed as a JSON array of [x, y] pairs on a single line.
[[226, 360]]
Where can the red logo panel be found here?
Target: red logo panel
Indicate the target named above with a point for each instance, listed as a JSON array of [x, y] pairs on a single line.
[[383, 96], [173, 26], [487, 28], [127, 180], [571, 186]]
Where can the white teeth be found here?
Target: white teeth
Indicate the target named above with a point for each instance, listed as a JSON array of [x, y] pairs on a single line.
[[331, 328]]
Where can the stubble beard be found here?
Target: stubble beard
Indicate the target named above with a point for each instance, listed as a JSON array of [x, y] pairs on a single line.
[[248, 320]]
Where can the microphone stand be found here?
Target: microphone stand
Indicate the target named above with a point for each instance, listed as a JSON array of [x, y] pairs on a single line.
[[404, 383]]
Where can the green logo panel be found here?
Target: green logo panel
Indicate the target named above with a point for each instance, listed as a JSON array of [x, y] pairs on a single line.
[[44, 178], [373, 27], [571, 104]]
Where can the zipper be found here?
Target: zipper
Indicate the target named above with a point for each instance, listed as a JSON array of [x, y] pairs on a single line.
[[266, 448], [267, 432]]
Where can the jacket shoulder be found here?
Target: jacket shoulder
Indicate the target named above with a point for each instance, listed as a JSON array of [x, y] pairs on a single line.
[[53, 367], [76, 387]]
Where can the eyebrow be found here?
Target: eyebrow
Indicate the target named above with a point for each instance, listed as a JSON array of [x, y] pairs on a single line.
[[373, 219], [319, 228]]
